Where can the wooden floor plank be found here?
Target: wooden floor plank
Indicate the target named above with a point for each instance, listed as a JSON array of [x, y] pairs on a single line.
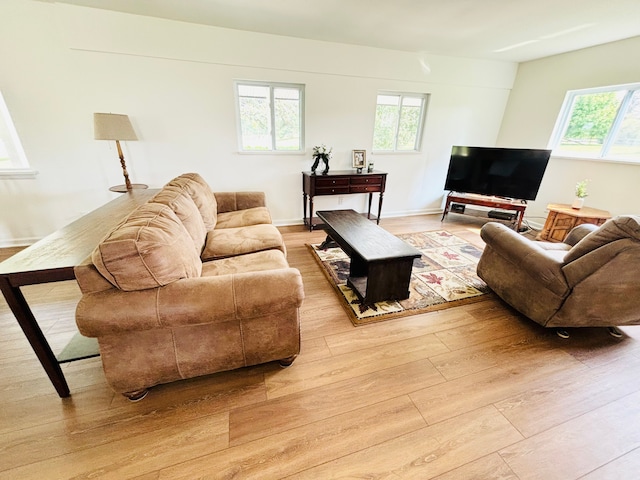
[[289, 452], [273, 416], [579, 445], [139, 454], [491, 467], [425, 453], [487, 387]]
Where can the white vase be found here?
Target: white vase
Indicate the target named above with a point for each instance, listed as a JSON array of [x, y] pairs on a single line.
[[577, 203]]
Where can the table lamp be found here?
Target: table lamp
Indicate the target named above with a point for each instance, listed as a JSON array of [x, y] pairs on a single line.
[[113, 126]]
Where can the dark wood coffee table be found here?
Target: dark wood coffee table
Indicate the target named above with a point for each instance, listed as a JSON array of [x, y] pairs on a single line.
[[380, 262]]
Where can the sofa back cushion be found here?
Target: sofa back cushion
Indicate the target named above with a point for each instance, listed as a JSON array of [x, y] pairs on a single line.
[[198, 189], [186, 210], [150, 248], [617, 228]]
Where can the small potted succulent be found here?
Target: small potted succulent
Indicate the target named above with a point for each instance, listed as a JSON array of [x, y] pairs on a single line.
[[581, 193]]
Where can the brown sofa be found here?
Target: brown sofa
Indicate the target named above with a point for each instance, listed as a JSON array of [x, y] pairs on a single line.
[[191, 283], [589, 280]]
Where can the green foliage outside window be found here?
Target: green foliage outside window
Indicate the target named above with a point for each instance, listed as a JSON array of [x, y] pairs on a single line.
[[398, 122], [601, 123], [270, 117]]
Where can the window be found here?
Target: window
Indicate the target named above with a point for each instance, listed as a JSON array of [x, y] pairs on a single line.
[[270, 116], [399, 120], [600, 123], [12, 157]]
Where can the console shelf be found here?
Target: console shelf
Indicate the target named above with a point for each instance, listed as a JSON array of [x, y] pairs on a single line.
[[517, 206]]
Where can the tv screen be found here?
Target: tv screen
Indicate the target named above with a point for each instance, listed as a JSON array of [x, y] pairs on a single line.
[[501, 172]]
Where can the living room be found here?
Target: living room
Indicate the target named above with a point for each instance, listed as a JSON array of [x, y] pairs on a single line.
[[175, 80]]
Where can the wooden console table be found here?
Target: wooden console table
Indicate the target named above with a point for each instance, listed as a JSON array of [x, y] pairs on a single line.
[[52, 259], [341, 182], [562, 218], [517, 206]]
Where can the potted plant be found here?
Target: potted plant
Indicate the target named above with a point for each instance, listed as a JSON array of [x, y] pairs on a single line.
[[581, 193]]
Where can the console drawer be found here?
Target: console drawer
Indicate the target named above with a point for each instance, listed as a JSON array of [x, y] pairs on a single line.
[[333, 190], [331, 182], [365, 188], [367, 180]]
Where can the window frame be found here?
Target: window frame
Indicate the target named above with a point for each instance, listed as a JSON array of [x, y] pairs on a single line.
[[421, 123], [565, 115], [272, 86], [18, 163]]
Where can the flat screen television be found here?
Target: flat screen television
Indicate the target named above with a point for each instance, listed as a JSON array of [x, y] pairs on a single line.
[[500, 172]]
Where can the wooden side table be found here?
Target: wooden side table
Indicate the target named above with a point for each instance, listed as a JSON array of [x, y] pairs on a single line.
[[562, 218]]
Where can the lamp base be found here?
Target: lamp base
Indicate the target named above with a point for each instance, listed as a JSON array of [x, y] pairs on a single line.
[[123, 188]]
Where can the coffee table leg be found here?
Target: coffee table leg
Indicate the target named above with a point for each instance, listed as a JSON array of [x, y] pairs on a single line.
[[328, 243]]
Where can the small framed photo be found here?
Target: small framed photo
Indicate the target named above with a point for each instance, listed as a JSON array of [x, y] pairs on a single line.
[[359, 158]]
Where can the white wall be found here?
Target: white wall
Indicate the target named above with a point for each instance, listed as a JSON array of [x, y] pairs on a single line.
[[531, 113], [62, 63]]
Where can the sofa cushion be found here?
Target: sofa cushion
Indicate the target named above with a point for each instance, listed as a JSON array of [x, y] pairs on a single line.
[[228, 242], [150, 248], [251, 262], [624, 226], [202, 196], [244, 218], [186, 210]]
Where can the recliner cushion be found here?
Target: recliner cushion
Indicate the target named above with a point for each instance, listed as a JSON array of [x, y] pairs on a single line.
[[150, 248]]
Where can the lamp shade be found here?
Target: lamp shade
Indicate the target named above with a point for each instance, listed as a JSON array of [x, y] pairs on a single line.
[[112, 126]]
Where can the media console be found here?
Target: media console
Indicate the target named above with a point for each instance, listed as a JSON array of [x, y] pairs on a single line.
[[456, 202]]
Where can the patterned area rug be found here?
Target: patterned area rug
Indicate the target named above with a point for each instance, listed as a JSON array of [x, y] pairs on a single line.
[[445, 276]]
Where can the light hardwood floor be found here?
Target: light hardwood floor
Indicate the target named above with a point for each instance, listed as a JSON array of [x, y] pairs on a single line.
[[470, 392]]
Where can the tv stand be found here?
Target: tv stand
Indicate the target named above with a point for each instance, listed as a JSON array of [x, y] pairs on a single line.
[[514, 205]]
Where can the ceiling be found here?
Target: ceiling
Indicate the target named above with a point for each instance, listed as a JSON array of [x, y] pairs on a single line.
[[507, 30]]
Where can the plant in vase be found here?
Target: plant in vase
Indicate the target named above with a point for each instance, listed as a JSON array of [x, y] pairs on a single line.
[[581, 193], [323, 153]]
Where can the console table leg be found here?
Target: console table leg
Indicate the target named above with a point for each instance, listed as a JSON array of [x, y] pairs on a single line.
[[310, 213], [32, 331], [304, 208], [379, 208]]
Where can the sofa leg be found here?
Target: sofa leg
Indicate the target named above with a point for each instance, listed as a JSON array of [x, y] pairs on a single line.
[[562, 333], [286, 362], [615, 332], [136, 395]]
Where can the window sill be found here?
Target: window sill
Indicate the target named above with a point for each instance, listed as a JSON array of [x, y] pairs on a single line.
[[17, 173], [595, 159], [395, 152]]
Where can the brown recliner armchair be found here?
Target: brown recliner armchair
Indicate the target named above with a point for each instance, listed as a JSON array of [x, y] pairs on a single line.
[[591, 279]]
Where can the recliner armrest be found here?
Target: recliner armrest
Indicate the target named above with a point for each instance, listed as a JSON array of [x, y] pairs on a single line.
[[543, 265]]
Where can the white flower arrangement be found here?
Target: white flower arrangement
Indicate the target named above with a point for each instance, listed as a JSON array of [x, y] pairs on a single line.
[[322, 151]]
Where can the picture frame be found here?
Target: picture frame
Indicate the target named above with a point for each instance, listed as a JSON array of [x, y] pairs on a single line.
[[359, 158]]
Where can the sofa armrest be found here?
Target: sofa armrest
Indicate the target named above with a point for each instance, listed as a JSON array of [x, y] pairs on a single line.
[[543, 265], [191, 301], [233, 201]]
